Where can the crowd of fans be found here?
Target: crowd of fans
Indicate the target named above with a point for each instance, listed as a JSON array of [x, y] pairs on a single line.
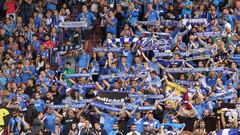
[[32, 65]]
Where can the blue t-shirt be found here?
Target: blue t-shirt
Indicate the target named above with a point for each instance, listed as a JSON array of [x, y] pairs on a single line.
[[153, 16], [200, 109], [83, 60], [13, 122], [112, 28], [39, 105], [211, 81], [154, 65], [108, 122], [23, 99], [138, 123], [186, 11], [49, 122], [27, 75], [154, 123], [88, 16], [37, 22], [132, 16], [51, 5]]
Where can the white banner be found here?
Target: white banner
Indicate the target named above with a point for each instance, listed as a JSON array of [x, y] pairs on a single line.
[[79, 24]]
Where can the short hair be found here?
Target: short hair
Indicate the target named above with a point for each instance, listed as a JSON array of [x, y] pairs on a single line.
[[69, 63]]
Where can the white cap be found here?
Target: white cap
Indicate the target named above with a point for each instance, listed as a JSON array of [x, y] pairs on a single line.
[[146, 123], [68, 89]]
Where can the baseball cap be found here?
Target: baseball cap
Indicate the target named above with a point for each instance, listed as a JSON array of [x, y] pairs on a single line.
[[146, 124]]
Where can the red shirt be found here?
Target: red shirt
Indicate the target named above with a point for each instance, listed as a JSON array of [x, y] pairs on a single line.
[[10, 7], [49, 44]]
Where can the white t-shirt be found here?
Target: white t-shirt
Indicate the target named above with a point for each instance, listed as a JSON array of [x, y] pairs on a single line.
[[130, 133]]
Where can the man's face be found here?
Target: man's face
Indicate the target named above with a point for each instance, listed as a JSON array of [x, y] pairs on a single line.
[[138, 115], [137, 60], [97, 126], [13, 74], [146, 128], [197, 101], [111, 14], [57, 120], [179, 38], [168, 106], [133, 128], [26, 29], [150, 116], [30, 82], [115, 127], [8, 21], [47, 38], [131, 6], [71, 113], [68, 66], [84, 9], [149, 6], [15, 114], [19, 19], [202, 124], [206, 113], [112, 113]]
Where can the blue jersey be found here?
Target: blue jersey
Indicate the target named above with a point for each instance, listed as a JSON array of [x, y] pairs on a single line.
[[108, 122], [138, 123], [112, 28], [39, 105], [154, 123], [153, 16], [186, 11], [14, 124], [49, 122], [88, 17]]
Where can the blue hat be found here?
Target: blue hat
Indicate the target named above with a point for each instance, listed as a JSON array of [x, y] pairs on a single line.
[[51, 73]]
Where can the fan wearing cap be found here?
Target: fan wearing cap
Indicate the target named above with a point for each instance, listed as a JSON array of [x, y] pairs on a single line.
[[69, 120], [147, 130], [113, 67], [68, 98]]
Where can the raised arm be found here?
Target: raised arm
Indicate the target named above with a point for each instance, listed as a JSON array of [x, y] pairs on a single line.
[[97, 111], [57, 114], [145, 57]]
